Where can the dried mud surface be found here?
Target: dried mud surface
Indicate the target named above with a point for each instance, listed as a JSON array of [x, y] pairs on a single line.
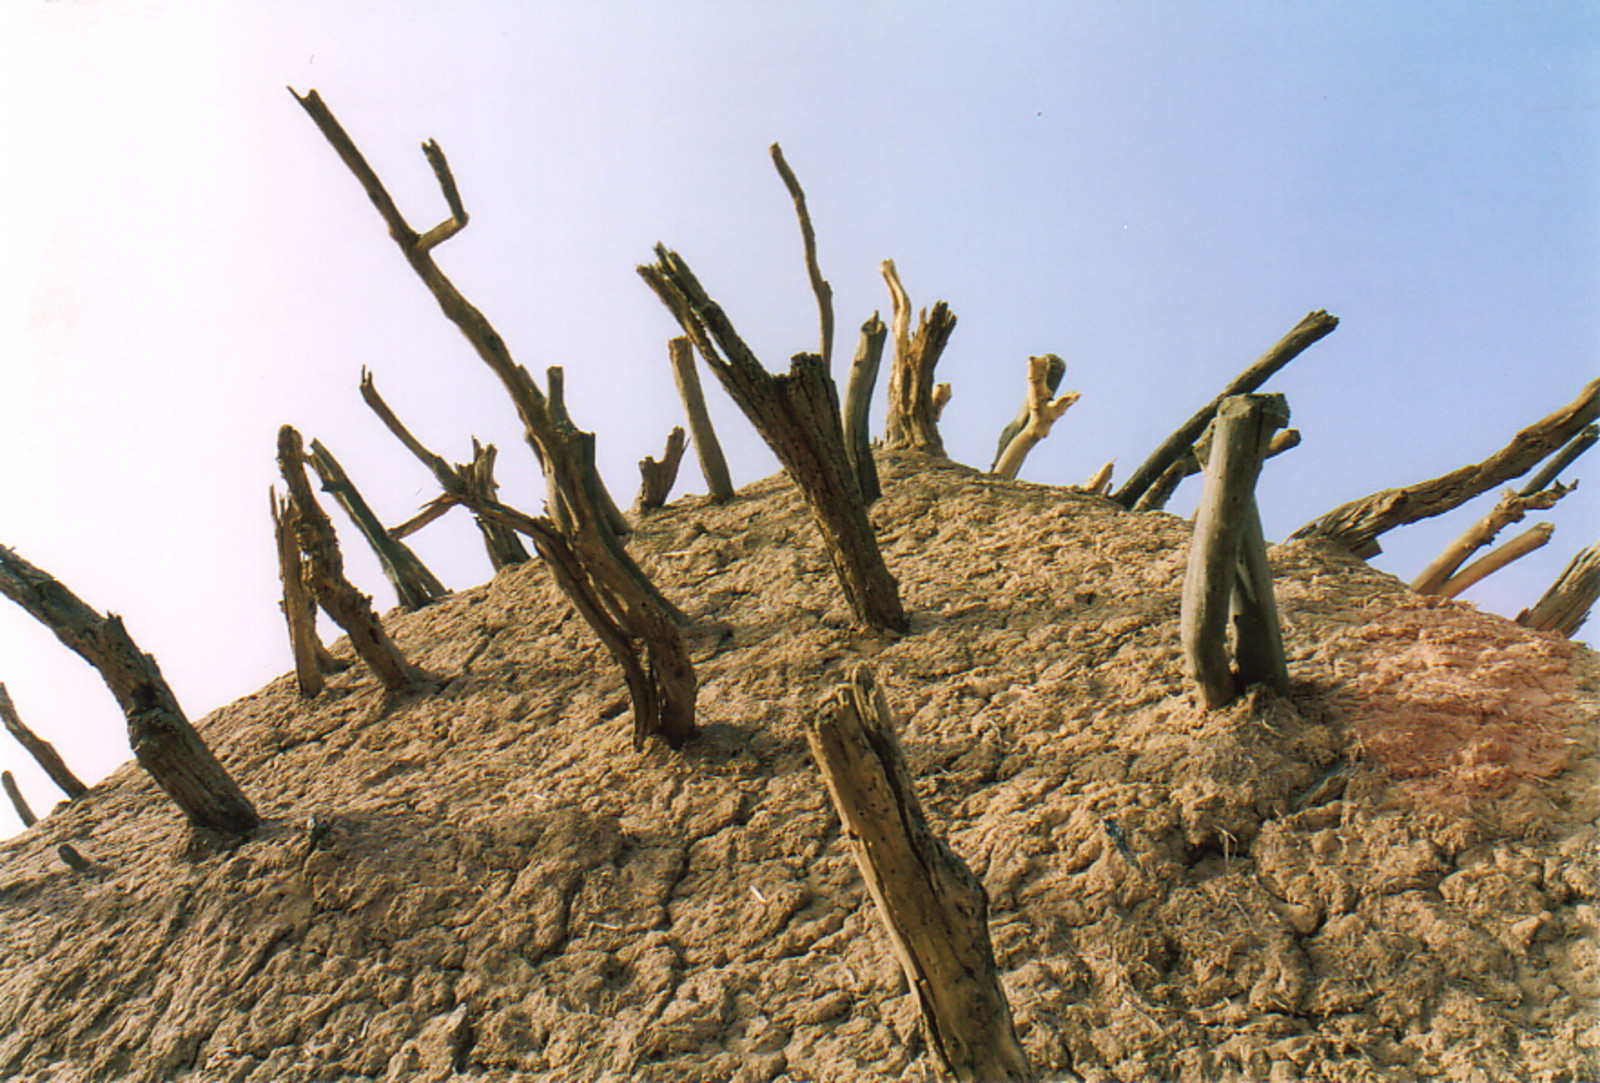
[[1390, 874]]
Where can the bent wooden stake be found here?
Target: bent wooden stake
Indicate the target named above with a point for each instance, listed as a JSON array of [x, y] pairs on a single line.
[[934, 908], [1227, 572]]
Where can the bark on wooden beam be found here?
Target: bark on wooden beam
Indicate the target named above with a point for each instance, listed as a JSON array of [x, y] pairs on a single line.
[[1510, 508], [1043, 413], [163, 741], [349, 608], [414, 585], [798, 416], [1054, 374], [1227, 572], [707, 449], [663, 685], [18, 802], [933, 907], [1315, 326], [657, 478], [911, 422], [1560, 461], [1566, 605], [858, 404], [808, 237], [1515, 549], [42, 751], [1356, 525]]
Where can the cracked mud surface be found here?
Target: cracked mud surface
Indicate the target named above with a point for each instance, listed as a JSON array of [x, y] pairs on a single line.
[[1390, 874]]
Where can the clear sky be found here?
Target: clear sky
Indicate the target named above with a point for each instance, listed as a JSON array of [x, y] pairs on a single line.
[[1155, 191]]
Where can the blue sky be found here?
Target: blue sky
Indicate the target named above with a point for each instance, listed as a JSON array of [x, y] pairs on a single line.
[[1157, 192]]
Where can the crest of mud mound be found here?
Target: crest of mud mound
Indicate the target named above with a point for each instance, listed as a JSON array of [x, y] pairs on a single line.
[[1389, 874]]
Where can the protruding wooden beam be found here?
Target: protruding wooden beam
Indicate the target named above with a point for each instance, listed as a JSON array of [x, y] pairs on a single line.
[[163, 741], [1560, 461], [935, 910], [18, 802], [707, 449], [808, 237], [656, 478], [1510, 508], [1227, 572], [858, 404], [1533, 538], [1315, 326], [42, 751], [1043, 413], [1566, 605]]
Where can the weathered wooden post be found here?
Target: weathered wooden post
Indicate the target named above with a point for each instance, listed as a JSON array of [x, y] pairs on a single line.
[[1054, 373], [857, 404], [1566, 605], [163, 741], [42, 751], [935, 910], [707, 448], [1040, 413], [1510, 508], [656, 478], [1227, 571], [18, 802], [914, 401]]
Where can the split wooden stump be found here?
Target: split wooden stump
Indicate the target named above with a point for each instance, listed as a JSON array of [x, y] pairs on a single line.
[[1566, 605], [915, 402], [935, 910], [1228, 572]]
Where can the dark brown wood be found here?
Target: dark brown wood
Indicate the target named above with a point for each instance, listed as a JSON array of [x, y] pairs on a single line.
[[1566, 605], [42, 751], [1042, 413], [656, 478], [312, 660], [1510, 508], [163, 741], [18, 802], [338, 597], [1314, 327], [707, 449], [912, 419], [798, 416], [808, 237], [414, 585], [858, 405], [935, 910], [1227, 573], [1355, 526]]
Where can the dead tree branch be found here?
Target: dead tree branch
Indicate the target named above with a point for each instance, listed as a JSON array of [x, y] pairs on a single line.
[[1227, 571], [1566, 605], [1054, 374], [312, 660], [656, 478], [1510, 508], [1315, 326], [858, 404], [42, 751], [18, 802], [808, 237], [414, 585], [1515, 549], [1560, 461], [798, 416], [935, 910], [912, 420], [707, 449], [163, 741], [1356, 525], [348, 607], [1042, 413]]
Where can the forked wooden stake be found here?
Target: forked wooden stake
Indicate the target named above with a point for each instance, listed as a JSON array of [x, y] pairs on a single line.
[[707, 449], [1510, 508], [656, 478], [912, 419], [935, 910], [1042, 413]]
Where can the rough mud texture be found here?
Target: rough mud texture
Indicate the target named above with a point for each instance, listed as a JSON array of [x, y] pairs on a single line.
[[1390, 874]]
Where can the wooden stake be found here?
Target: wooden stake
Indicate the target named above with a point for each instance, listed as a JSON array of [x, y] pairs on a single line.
[[1309, 330], [797, 415], [1357, 524], [933, 907], [1515, 549], [1566, 605], [42, 751], [1053, 376], [414, 585], [1510, 508], [20, 804], [858, 403], [707, 449], [163, 741], [1227, 571], [349, 608], [1100, 483], [656, 478], [911, 422], [1043, 413]]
